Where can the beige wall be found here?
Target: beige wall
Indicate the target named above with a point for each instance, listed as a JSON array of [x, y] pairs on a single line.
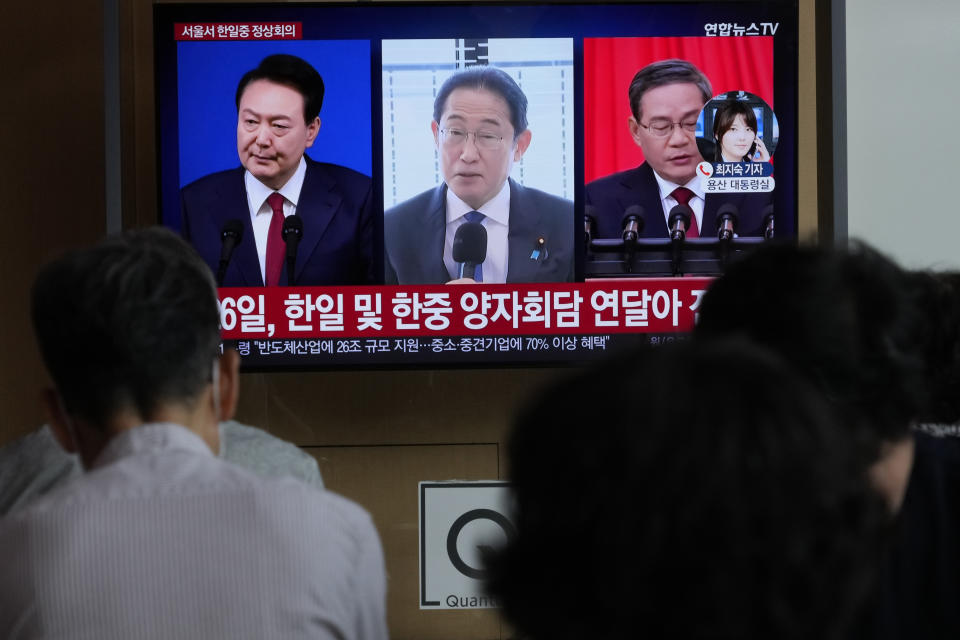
[[902, 98], [52, 171]]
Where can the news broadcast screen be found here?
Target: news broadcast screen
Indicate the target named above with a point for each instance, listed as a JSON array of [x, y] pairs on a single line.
[[469, 184]]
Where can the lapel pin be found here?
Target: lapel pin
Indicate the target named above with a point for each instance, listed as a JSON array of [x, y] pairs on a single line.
[[539, 250]]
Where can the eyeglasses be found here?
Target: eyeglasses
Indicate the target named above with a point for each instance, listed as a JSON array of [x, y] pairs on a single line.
[[664, 128], [483, 139]]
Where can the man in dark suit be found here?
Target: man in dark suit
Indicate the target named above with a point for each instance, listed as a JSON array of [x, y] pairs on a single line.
[[278, 107], [480, 129], [666, 98]]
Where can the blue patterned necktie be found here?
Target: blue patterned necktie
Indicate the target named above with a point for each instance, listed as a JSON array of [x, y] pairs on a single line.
[[476, 216]]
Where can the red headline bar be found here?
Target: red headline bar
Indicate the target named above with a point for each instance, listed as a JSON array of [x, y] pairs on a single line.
[[650, 305], [238, 31]]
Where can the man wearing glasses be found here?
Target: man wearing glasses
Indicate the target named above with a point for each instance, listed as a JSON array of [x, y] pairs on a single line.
[[480, 129], [666, 98]]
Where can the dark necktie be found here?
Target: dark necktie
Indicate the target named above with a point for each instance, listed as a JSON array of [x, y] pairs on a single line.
[[275, 244], [683, 195], [475, 216]]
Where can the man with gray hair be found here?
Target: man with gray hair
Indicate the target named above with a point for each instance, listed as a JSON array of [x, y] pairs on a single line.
[[480, 130], [161, 539], [666, 98]]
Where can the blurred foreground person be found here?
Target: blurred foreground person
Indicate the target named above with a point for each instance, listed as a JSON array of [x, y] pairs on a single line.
[[160, 539], [735, 514], [881, 344], [849, 322], [921, 586]]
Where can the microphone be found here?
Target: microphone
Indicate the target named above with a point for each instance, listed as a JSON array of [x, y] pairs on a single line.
[[632, 228], [726, 228], [727, 219], [292, 234], [230, 237], [469, 248], [632, 223], [768, 222], [679, 222], [589, 224]]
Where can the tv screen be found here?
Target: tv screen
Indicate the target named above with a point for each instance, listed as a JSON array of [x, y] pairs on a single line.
[[460, 184]]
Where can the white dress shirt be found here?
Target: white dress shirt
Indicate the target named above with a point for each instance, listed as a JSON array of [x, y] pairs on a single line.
[[163, 540], [260, 212], [669, 202], [497, 224]]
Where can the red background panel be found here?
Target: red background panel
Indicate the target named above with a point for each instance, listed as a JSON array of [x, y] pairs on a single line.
[[732, 64]]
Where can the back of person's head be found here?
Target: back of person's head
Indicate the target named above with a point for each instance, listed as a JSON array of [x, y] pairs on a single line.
[[664, 72], [939, 298], [689, 491], [289, 71], [847, 319], [128, 324], [484, 78]]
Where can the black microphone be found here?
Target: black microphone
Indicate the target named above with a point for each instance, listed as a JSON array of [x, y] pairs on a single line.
[[292, 234], [727, 220], [632, 228], [589, 224], [230, 237], [632, 223], [679, 222], [768, 222], [469, 247]]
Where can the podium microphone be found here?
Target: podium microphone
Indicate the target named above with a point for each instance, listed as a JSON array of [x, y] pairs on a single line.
[[469, 248], [292, 234], [768, 222], [230, 237], [589, 225], [632, 228], [679, 222], [632, 223], [727, 219]]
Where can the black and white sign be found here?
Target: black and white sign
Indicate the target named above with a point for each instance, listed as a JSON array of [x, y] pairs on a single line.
[[458, 520]]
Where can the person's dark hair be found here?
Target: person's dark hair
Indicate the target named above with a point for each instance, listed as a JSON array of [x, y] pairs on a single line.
[[662, 73], [688, 491], [488, 79], [130, 323], [724, 118], [290, 71], [847, 319], [939, 298]]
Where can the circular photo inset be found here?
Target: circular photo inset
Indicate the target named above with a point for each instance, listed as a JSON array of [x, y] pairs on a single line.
[[737, 126]]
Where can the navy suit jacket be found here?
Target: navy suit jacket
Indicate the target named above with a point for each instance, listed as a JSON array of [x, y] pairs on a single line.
[[414, 232], [336, 210], [611, 195]]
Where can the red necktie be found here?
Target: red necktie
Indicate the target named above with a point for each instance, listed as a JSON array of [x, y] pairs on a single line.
[[683, 195], [275, 244]]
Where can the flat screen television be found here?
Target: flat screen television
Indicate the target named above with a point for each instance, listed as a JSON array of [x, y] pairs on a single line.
[[532, 148]]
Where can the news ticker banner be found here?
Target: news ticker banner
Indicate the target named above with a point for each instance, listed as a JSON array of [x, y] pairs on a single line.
[[455, 325], [644, 305]]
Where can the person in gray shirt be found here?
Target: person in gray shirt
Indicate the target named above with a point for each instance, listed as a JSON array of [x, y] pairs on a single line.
[[159, 538], [34, 464]]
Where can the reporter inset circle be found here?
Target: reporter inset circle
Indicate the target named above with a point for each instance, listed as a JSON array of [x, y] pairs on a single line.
[[724, 124]]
